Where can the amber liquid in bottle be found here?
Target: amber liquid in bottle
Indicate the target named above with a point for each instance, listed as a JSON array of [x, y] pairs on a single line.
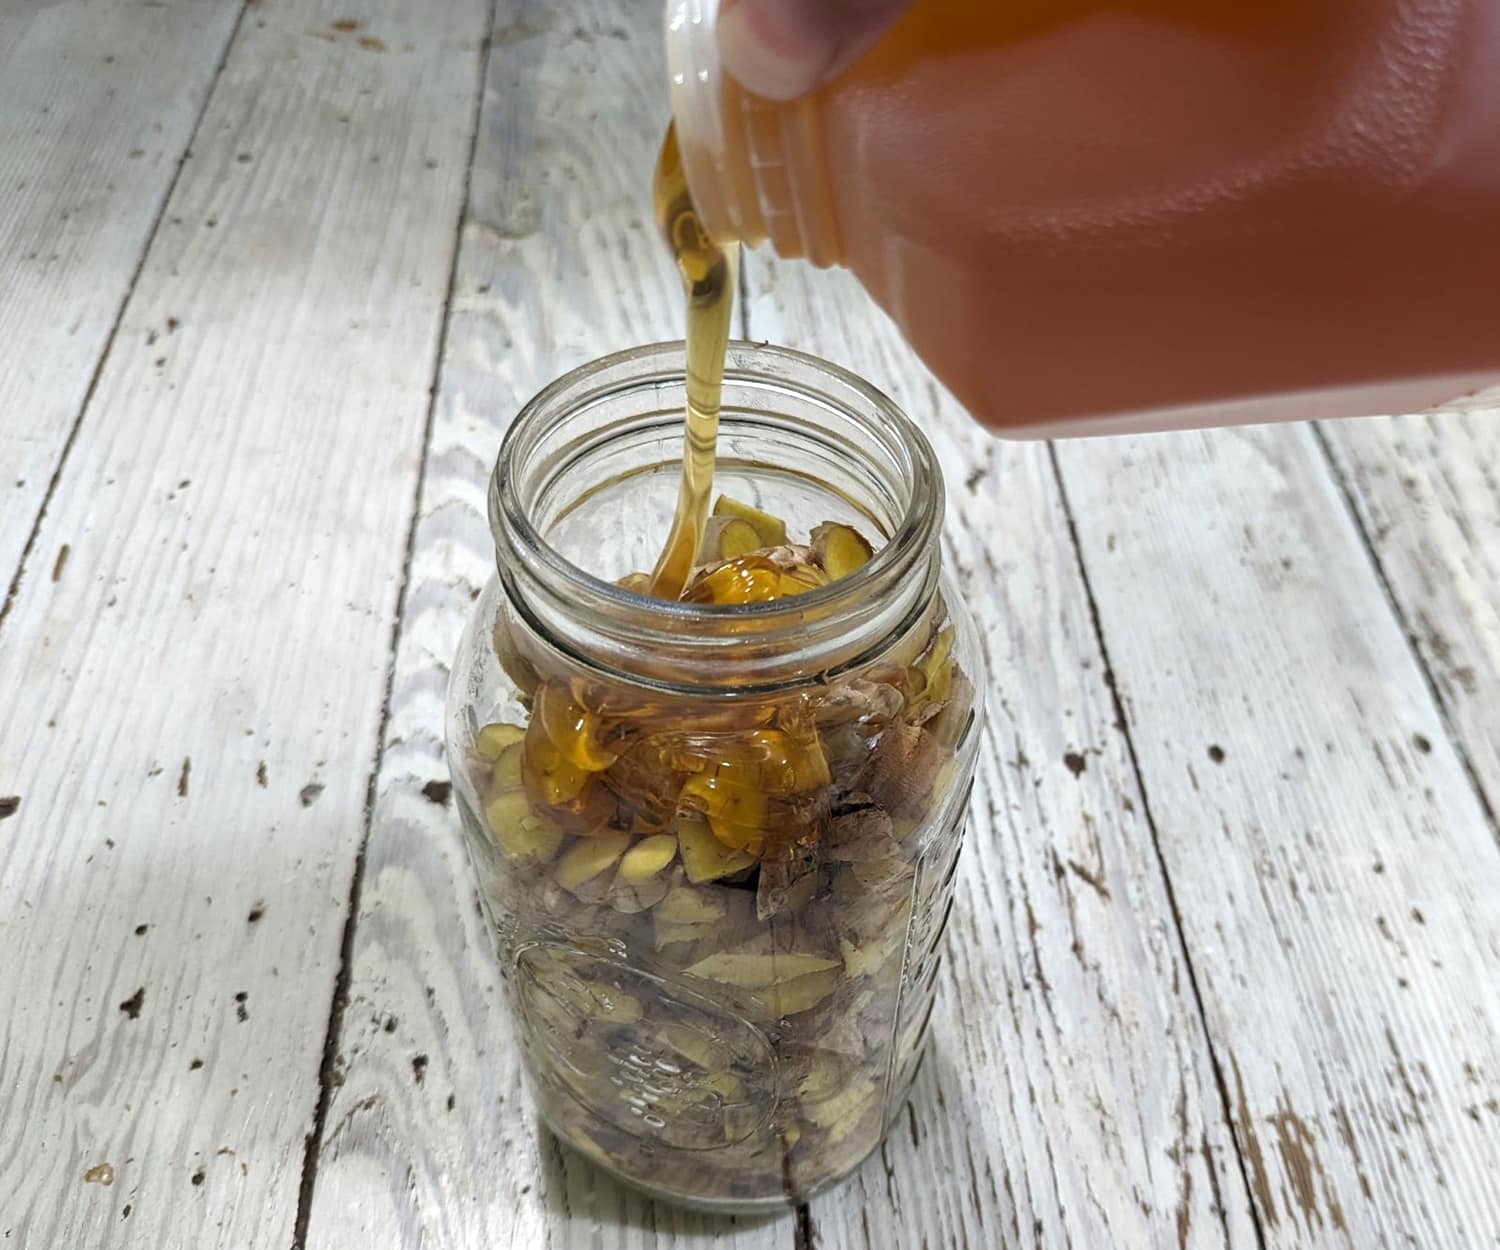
[[709, 274]]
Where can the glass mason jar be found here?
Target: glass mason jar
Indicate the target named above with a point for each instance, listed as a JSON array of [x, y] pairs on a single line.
[[716, 842]]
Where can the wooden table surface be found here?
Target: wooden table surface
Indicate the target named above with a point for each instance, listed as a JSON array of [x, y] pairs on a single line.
[[274, 275]]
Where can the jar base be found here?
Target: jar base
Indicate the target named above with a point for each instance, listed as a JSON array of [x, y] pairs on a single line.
[[751, 1207]]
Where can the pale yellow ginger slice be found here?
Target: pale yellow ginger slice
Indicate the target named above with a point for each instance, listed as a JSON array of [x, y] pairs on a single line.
[[522, 834], [870, 958], [687, 905], [693, 1045], [631, 897], [877, 873], [788, 998], [665, 934], [492, 739], [841, 549], [704, 857], [648, 858], [772, 530], [840, 1113], [726, 538], [588, 858], [505, 773], [759, 971], [566, 998], [823, 1078]]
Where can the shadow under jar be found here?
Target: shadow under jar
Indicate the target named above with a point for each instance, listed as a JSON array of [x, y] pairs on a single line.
[[716, 843]]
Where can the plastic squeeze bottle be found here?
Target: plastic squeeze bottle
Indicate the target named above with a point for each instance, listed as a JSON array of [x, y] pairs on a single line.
[[1098, 217]]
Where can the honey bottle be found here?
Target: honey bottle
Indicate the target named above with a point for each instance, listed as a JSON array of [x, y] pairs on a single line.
[[1091, 217]]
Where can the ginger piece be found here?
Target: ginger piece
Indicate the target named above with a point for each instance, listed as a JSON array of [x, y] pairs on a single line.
[[665, 933], [787, 881], [506, 773], [859, 699], [952, 720], [860, 836], [521, 833], [558, 780], [870, 957], [769, 529], [841, 549], [630, 897], [930, 680], [704, 857], [588, 858], [648, 858], [901, 770], [790, 998], [840, 1113], [734, 805], [726, 538], [577, 733], [752, 970], [516, 666], [686, 904], [492, 739]]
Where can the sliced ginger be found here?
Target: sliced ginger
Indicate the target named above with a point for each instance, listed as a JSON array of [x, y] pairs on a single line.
[[492, 739], [648, 858], [588, 858], [704, 857], [758, 970], [725, 538], [689, 905], [841, 549], [771, 530]]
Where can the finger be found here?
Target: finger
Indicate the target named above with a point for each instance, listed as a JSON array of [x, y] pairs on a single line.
[[782, 49]]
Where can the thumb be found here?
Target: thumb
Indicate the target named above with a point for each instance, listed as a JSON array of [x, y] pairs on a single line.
[[782, 49]]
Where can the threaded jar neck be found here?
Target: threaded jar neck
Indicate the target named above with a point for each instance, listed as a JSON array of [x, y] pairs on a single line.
[[583, 452], [755, 167]]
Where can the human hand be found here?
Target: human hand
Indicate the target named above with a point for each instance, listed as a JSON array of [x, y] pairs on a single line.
[[782, 49]]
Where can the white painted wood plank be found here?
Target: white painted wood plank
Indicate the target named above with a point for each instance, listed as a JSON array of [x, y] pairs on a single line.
[[1338, 883], [97, 102], [1070, 1099], [559, 263], [1427, 490], [194, 701]]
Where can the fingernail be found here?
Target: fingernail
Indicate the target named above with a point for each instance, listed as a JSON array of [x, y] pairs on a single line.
[[778, 63]]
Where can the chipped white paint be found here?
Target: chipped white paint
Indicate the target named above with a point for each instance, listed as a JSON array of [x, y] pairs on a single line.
[[1337, 880], [1427, 490], [191, 708], [97, 101]]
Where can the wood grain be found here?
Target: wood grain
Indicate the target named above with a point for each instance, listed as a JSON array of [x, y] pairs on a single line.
[[559, 263], [1337, 880], [1070, 1099], [1427, 493], [97, 102], [193, 703]]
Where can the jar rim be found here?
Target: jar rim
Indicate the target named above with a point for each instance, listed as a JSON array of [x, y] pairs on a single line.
[[523, 552]]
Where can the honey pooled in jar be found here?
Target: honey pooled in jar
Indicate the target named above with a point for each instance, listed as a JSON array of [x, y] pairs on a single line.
[[753, 578]]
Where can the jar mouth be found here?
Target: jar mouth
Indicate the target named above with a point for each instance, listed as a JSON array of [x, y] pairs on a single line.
[[577, 606]]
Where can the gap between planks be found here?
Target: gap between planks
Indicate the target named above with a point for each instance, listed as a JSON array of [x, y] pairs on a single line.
[[1367, 541], [114, 326], [327, 1067], [1220, 1083]]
